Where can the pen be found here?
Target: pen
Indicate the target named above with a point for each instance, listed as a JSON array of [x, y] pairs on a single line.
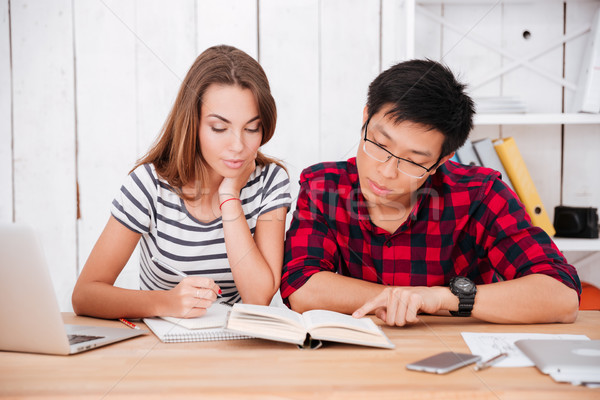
[[174, 270], [481, 365], [167, 266], [129, 323]]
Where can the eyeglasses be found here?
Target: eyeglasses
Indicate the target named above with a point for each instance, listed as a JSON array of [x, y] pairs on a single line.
[[407, 167]]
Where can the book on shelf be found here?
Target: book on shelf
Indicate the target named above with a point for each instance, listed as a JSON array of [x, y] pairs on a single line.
[[466, 154], [499, 105], [285, 325], [517, 171], [587, 95], [489, 158], [200, 329]]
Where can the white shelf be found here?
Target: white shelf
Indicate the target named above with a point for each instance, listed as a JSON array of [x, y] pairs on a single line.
[[536, 119], [491, 2], [568, 244]]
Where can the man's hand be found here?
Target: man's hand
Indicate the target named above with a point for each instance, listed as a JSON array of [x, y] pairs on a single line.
[[400, 305]]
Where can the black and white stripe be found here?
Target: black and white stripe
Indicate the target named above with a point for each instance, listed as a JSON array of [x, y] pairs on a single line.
[[148, 205]]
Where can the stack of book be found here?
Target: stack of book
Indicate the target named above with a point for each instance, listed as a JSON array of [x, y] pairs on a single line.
[[499, 105]]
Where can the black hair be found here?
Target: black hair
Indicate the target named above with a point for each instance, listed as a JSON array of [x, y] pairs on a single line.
[[425, 92]]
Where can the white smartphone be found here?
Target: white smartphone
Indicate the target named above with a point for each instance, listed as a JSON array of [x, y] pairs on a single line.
[[443, 362]]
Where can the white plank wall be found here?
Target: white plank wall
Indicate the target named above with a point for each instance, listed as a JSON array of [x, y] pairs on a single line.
[[86, 86], [163, 58], [44, 131], [393, 32], [349, 62], [428, 33], [107, 106], [232, 22], [6, 172], [289, 54]]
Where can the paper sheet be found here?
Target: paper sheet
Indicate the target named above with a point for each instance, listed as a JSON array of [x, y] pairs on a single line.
[[215, 317], [487, 345]]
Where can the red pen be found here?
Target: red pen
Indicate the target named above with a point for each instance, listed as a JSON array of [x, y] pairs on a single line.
[[129, 323]]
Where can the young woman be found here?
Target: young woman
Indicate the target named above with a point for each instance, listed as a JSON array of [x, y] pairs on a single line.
[[204, 201]]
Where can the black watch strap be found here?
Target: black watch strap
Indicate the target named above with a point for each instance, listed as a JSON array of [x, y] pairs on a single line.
[[465, 306], [465, 289]]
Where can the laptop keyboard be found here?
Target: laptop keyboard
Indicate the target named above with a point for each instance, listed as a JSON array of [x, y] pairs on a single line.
[[75, 339]]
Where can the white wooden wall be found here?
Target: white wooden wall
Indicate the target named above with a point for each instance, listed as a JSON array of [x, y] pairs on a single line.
[[86, 85]]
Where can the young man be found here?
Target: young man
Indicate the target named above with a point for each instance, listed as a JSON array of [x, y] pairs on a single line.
[[400, 230]]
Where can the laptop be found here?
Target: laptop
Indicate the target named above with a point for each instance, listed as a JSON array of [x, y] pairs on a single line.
[[575, 361], [31, 318]]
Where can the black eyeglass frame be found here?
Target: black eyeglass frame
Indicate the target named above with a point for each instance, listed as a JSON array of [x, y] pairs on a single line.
[[400, 158]]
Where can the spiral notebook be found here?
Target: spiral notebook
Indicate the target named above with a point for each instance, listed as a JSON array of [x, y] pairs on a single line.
[[202, 329], [168, 332]]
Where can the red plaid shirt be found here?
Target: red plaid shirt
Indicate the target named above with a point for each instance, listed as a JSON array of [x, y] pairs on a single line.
[[466, 221]]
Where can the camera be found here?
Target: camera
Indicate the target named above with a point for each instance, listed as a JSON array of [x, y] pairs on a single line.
[[576, 222]]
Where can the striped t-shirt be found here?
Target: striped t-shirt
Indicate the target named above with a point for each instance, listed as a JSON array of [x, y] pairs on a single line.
[[147, 204]]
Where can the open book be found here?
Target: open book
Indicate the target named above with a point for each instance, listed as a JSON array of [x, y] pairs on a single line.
[[285, 325]]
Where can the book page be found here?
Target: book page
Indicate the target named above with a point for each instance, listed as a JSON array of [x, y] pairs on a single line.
[[337, 327], [266, 322], [215, 317], [276, 313], [323, 318]]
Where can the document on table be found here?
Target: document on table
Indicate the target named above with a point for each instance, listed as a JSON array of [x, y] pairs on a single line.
[[488, 345]]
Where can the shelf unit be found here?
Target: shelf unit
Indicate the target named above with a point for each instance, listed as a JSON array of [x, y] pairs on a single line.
[[537, 119], [410, 7], [564, 244]]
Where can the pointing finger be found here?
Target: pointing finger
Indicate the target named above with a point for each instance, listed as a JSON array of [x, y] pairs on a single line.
[[368, 307]]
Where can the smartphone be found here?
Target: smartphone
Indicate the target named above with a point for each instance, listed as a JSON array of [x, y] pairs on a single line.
[[443, 362]]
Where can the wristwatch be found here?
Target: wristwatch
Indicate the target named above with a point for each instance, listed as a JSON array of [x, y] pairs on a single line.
[[463, 288]]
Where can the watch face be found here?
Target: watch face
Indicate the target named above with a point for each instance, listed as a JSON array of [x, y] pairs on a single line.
[[463, 284]]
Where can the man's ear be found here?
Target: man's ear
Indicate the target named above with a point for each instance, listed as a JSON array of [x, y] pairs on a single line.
[[365, 115], [442, 161]]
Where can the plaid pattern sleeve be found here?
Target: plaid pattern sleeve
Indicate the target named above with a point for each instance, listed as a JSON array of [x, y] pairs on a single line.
[[512, 246], [311, 244], [466, 221]]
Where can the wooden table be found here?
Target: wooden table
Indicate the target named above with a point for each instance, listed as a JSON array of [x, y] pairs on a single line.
[[258, 369]]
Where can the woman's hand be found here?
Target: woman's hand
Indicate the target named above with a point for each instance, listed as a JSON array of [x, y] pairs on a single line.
[[231, 187], [190, 298]]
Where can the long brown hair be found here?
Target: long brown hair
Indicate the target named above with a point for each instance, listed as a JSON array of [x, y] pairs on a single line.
[[176, 154]]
